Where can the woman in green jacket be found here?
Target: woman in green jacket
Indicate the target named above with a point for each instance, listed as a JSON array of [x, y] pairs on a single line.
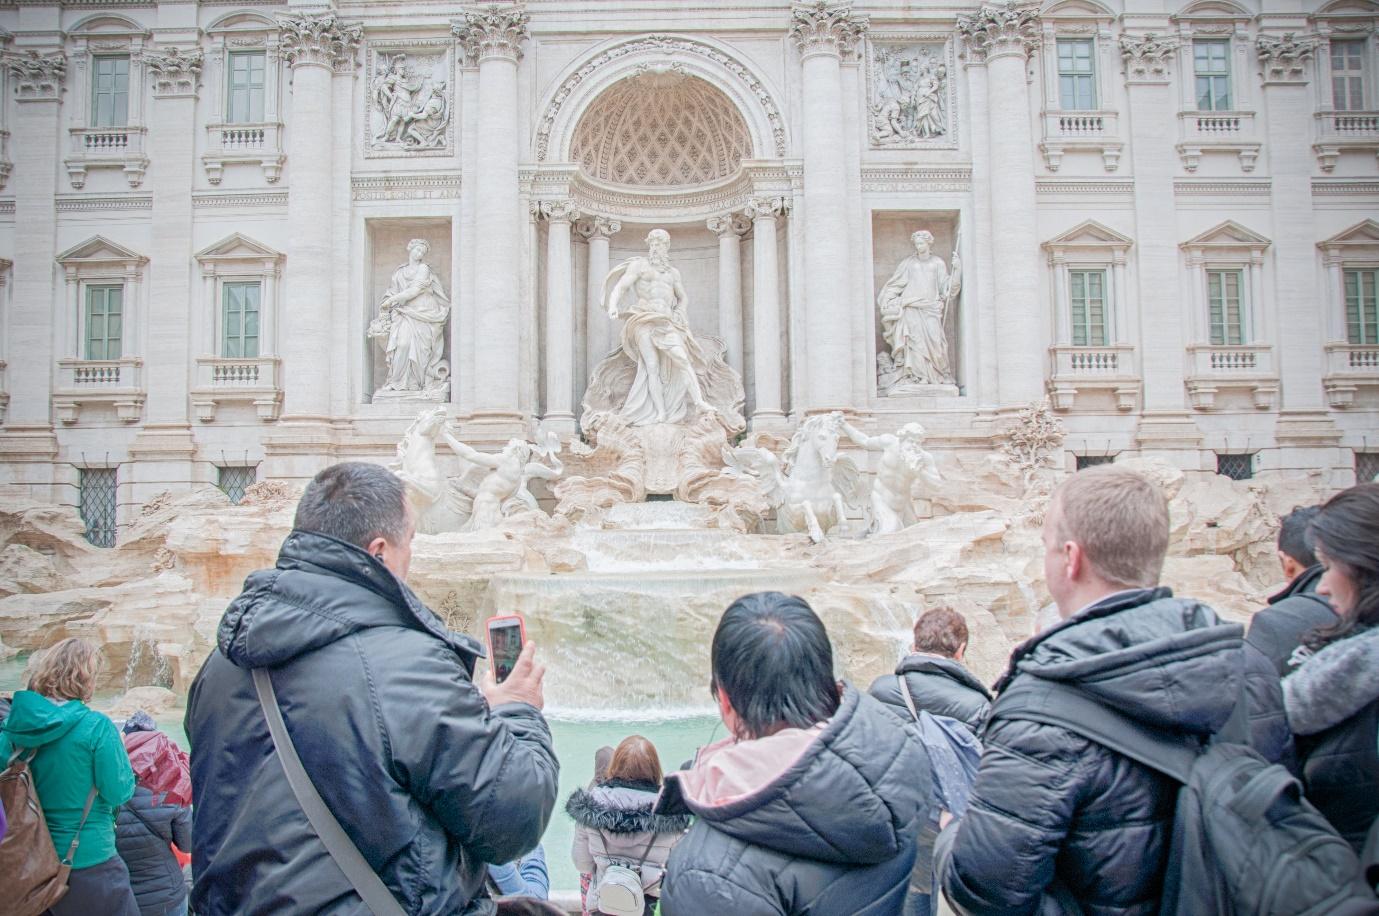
[[78, 750]]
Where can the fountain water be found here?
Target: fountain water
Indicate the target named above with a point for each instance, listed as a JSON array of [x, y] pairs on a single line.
[[147, 667]]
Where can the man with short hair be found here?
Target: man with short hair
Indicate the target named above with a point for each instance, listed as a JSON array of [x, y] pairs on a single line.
[[430, 775], [1278, 630], [1053, 813], [813, 803], [934, 675]]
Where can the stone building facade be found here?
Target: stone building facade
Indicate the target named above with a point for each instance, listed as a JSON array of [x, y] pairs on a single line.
[[1165, 218]]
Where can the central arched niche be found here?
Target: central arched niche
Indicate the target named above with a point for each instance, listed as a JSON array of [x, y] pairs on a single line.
[[661, 129]]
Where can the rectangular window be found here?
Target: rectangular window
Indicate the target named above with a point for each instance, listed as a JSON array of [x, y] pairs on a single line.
[[1366, 467], [110, 91], [1087, 291], [239, 335], [97, 494], [1236, 467], [1225, 307], [234, 481], [1348, 75], [1076, 74], [104, 321], [1361, 307], [1211, 63], [1091, 461], [244, 103]]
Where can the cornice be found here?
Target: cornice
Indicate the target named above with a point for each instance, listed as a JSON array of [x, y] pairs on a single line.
[[218, 200], [445, 186], [1221, 187], [1085, 186], [1331, 187], [88, 203]]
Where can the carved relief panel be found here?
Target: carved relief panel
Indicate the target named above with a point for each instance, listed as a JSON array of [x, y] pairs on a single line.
[[410, 99], [911, 102]]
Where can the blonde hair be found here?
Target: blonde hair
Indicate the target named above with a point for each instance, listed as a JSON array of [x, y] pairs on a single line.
[[67, 671], [1119, 519]]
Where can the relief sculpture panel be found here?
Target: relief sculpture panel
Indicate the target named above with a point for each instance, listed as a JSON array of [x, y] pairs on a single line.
[[910, 98], [409, 105]]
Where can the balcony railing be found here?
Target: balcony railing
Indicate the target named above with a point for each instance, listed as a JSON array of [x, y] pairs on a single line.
[[1223, 131], [107, 147], [1085, 130], [1078, 370], [259, 144], [1344, 130], [1213, 367], [117, 382], [223, 379], [1350, 367]]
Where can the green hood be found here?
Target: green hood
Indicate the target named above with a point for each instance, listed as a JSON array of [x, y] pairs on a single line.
[[36, 720]]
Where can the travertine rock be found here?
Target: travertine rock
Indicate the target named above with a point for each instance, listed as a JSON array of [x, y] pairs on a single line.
[[25, 570]]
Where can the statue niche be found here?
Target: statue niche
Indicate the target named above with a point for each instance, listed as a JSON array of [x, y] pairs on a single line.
[[410, 330], [916, 311]]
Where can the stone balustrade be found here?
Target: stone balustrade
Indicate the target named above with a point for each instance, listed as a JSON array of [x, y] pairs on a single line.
[[1097, 131], [1249, 367], [107, 147], [1218, 131], [117, 383], [1081, 371], [252, 379], [1350, 367], [1338, 131], [256, 143]]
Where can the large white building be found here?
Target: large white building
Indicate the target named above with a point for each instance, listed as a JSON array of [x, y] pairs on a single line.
[[1166, 218]]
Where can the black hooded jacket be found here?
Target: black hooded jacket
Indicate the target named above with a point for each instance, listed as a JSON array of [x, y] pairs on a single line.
[[833, 835], [377, 695], [941, 686], [1050, 804], [1278, 629], [146, 828]]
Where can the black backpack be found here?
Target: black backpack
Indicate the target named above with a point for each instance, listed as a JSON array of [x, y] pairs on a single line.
[[1245, 842]]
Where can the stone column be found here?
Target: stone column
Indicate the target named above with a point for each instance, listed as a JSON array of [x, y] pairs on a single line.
[[766, 324], [598, 327], [729, 229], [823, 32], [312, 46], [1007, 34], [462, 347], [1164, 423], [978, 291], [27, 444], [164, 447], [495, 34], [560, 315]]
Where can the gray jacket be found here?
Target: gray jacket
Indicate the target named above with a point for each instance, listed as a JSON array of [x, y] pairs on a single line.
[[940, 686], [614, 823]]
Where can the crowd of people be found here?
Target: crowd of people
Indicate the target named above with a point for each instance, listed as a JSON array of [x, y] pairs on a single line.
[[349, 757]]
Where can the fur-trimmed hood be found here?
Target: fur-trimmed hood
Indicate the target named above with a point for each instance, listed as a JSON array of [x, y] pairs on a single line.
[[621, 808], [1334, 684]]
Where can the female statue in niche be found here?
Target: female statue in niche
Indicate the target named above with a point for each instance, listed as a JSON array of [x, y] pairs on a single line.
[[914, 306], [411, 319]]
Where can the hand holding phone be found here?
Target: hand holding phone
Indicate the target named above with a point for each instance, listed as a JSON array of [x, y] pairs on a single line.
[[513, 662], [506, 636]]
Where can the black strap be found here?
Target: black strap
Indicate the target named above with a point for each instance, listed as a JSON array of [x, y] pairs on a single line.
[[129, 806], [347, 856]]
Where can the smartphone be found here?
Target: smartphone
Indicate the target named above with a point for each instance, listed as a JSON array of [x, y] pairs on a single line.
[[506, 636]]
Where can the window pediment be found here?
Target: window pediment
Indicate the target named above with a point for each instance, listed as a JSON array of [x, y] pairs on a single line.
[[100, 252], [237, 247], [1089, 236], [1229, 236], [107, 26], [1360, 241]]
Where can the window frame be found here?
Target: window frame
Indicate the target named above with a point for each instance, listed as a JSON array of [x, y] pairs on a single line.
[[89, 295], [1227, 75], [1107, 306], [1242, 306], [227, 284], [118, 119], [1362, 78], [227, 489], [230, 88], [100, 262], [1091, 76], [1372, 325], [106, 536]]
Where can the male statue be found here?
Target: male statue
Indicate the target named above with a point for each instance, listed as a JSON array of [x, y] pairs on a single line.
[[657, 339], [509, 472], [904, 462], [914, 307]]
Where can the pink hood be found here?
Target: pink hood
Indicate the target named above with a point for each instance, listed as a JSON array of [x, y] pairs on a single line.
[[729, 770]]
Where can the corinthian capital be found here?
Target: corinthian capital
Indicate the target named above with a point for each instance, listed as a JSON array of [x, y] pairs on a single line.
[[563, 210], [765, 207], [598, 227], [1147, 57], [493, 31], [37, 77], [321, 41], [1007, 28], [174, 73], [1285, 59], [824, 27], [729, 224]]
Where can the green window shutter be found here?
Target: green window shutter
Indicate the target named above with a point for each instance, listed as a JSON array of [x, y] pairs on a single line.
[[1076, 74], [1225, 307], [104, 322], [1362, 306], [1212, 71], [110, 92], [244, 103], [240, 320]]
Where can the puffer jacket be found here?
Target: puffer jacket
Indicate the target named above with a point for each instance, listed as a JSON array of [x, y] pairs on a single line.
[[814, 822], [1333, 706], [145, 830], [614, 822], [1269, 731], [427, 780], [941, 686], [1297, 610], [1050, 804]]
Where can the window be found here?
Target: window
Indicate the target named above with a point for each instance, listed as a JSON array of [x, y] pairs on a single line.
[[1239, 466], [1091, 461], [110, 91], [1076, 75], [1212, 65], [1361, 308], [1225, 307], [1348, 75], [97, 486], [234, 481], [239, 334], [244, 101], [104, 321], [1366, 466], [1087, 290]]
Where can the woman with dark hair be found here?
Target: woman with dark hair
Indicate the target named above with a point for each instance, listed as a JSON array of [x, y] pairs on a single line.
[[615, 824], [1333, 698]]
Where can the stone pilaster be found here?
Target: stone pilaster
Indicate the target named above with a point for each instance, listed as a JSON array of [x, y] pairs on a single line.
[[494, 35], [823, 32], [980, 294], [767, 410], [598, 328], [1005, 35], [730, 228], [560, 314]]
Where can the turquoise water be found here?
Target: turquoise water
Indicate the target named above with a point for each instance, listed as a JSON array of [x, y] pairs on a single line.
[[576, 736]]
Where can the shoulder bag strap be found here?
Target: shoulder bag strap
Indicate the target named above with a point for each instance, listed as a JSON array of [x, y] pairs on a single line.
[[360, 874], [129, 806], [76, 837], [905, 695]]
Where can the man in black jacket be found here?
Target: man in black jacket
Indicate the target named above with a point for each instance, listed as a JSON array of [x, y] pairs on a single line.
[[1052, 812], [429, 775], [1278, 629], [934, 675]]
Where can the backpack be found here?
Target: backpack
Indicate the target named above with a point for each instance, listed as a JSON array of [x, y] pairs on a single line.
[[1245, 842], [35, 879], [954, 754], [620, 891]]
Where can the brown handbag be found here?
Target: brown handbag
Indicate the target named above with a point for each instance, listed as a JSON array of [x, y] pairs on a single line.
[[35, 878]]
